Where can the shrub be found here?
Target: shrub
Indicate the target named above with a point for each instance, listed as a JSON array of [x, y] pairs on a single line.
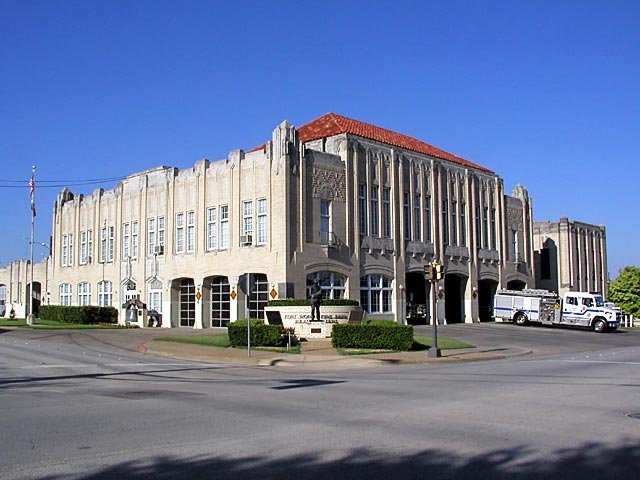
[[305, 302], [373, 336], [261, 335], [87, 315]]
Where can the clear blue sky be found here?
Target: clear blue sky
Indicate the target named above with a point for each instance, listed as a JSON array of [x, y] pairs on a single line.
[[544, 93]]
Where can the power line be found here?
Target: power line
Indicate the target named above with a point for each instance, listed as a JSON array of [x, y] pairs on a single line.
[[57, 183]]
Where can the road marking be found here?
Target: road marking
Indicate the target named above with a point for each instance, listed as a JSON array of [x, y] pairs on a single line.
[[586, 361], [84, 365]]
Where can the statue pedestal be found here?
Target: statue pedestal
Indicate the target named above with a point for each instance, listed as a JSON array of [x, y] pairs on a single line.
[[299, 318]]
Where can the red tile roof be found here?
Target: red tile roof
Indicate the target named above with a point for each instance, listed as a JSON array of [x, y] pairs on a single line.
[[332, 124]]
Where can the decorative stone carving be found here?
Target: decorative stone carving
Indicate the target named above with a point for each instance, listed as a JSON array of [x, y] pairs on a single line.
[[329, 184], [514, 219]]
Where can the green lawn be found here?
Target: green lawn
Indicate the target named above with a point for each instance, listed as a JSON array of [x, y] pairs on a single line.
[[443, 343], [221, 340], [42, 324]]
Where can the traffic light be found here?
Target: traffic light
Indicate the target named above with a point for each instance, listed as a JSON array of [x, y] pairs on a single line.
[[429, 273], [439, 271]]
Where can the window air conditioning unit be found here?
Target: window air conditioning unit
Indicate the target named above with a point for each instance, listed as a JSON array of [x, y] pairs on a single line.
[[246, 239], [158, 249]]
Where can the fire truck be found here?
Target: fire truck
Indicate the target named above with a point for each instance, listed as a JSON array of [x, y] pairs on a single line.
[[581, 309]]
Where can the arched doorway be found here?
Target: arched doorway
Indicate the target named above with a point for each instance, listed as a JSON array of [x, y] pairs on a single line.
[[418, 312], [486, 292], [454, 286], [256, 288]]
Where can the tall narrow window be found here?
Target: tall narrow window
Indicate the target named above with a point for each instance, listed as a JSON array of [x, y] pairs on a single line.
[[514, 244], [111, 242], [125, 240], [64, 251], [417, 216], [179, 232], [362, 209], [151, 236], [485, 227], [407, 216], [89, 245], [70, 249], [494, 243], [445, 221], [386, 212], [83, 248], [427, 219], [325, 222], [191, 231], [212, 229], [161, 231], [261, 208], [247, 218], [478, 227], [375, 212], [105, 294], [463, 224], [103, 245], [224, 226], [65, 294], [454, 223], [134, 239], [84, 294]]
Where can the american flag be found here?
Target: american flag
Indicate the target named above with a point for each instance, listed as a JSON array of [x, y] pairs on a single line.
[[32, 193]]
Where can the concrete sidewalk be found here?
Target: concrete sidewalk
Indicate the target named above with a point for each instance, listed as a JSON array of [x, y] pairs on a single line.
[[318, 354]]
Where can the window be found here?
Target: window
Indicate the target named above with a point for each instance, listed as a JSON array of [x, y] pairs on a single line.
[[333, 284], [134, 239], [191, 231], [427, 219], [65, 294], [375, 293], [105, 294], [572, 301], [445, 221], [514, 245], [262, 221], [454, 223], [325, 222], [220, 302], [187, 303], [103, 245], [407, 216], [83, 248], [179, 232], [125, 241], [485, 227], [362, 209], [64, 254], [224, 226], [151, 236], [70, 264], [212, 229], [84, 294], [478, 227], [247, 218], [417, 217], [463, 224], [375, 213], [386, 212], [494, 242], [161, 231], [154, 298], [258, 296], [111, 243], [89, 245]]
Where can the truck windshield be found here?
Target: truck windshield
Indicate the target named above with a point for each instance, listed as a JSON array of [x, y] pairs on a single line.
[[599, 301]]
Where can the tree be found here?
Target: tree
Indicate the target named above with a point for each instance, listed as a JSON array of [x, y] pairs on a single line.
[[624, 291]]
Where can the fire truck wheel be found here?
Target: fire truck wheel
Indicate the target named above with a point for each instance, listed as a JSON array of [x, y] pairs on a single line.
[[599, 326], [520, 319]]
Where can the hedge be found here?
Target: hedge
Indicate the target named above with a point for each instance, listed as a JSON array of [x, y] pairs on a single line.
[[87, 315], [373, 336], [261, 335], [305, 302]]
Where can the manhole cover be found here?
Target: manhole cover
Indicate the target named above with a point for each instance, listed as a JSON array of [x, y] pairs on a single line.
[[633, 415]]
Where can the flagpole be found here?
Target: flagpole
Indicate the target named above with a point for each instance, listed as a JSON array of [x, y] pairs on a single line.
[[32, 193]]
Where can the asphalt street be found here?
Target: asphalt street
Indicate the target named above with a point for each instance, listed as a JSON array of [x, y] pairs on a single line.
[[84, 408]]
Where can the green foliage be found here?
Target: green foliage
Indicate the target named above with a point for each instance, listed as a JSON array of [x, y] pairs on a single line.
[[373, 336], [261, 335], [624, 291], [87, 315], [305, 302], [375, 321]]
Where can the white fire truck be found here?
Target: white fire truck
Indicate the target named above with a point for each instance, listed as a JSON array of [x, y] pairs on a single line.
[[541, 306]]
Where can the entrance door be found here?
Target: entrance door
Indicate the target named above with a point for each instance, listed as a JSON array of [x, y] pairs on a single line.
[[187, 303]]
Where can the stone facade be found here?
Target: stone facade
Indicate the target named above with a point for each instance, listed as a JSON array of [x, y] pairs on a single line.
[[361, 212], [570, 256]]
